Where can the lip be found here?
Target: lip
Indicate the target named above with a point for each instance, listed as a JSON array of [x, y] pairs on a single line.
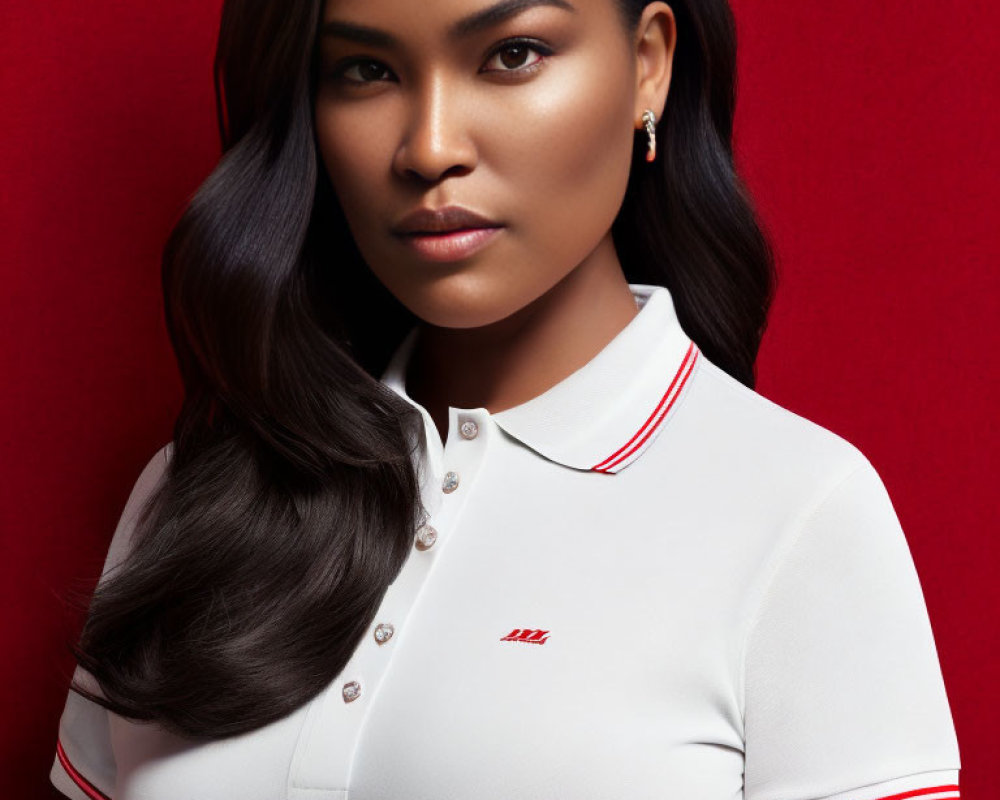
[[451, 246], [442, 220]]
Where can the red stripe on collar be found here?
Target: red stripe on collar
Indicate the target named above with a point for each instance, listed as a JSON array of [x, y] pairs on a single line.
[[653, 421], [88, 788]]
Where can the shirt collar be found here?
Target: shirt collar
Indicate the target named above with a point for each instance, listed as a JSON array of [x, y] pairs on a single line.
[[605, 415]]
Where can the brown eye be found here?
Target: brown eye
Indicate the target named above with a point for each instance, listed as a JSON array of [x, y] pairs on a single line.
[[370, 70], [367, 71], [512, 56]]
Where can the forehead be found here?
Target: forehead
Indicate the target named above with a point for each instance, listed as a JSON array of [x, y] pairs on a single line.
[[452, 20]]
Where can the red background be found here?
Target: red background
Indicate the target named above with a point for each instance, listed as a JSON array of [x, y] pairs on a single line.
[[867, 132]]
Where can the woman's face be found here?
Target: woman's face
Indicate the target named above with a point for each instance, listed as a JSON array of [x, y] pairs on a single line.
[[427, 104]]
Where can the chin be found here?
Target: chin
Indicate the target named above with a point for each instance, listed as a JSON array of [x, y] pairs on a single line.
[[469, 307]]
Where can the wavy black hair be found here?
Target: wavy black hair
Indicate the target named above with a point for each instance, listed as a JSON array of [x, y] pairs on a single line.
[[291, 497]]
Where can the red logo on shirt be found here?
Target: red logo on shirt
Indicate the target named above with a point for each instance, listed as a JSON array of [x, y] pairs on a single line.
[[525, 635]]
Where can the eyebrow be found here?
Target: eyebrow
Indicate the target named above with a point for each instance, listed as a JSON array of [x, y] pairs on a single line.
[[466, 26]]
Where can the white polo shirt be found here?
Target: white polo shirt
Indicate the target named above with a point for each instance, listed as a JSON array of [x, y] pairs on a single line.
[[646, 582]]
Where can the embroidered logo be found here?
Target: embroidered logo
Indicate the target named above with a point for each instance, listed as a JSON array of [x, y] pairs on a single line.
[[527, 636]]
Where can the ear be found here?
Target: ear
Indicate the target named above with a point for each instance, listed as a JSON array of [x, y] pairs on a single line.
[[654, 43]]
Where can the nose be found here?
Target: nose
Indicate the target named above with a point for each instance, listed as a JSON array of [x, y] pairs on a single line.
[[435, 140]]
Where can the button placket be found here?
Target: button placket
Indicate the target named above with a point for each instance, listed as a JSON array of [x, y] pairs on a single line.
[[325, 752], [464, 461], [462, 454]]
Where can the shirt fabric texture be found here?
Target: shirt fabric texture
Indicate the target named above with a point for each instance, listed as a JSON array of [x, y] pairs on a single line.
[[649, 581]]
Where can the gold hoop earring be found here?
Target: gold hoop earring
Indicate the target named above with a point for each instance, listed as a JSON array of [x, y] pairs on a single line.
[[649, 120]]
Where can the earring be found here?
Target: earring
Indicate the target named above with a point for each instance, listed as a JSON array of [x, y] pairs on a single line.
[[649, 119]]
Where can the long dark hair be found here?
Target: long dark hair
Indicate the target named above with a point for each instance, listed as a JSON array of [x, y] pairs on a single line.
[[291, 496]]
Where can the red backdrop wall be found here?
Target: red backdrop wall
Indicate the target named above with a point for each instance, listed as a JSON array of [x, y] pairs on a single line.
[[865, 130]]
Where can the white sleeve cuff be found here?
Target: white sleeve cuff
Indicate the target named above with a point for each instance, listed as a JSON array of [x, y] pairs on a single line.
[[938, 785]]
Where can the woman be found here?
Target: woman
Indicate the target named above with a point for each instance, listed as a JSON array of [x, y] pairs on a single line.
[[470, 495]]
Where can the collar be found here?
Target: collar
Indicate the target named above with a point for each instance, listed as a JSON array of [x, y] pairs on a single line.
[[604, 416]]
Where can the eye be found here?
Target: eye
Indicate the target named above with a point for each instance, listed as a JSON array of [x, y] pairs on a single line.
[[512, 53], [367, 69]]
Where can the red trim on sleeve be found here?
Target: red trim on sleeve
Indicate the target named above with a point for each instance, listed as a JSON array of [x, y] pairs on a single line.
[[88, 788], [659, 414], [928, 790]]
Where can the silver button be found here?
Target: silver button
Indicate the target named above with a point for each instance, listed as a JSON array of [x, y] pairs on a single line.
[[469, 429], [450, 482], [352, 691], [426, 537], [384, 632]]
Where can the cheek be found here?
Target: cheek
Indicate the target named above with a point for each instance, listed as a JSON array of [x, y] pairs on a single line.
[[567, 150]]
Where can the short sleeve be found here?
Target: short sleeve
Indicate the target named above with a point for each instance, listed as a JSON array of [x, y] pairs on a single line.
[[84, 766], [844, 695]]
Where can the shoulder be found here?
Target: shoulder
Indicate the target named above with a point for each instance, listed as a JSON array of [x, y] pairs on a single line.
[[149, 480], [153, 470], [84, 763], [751, 446]]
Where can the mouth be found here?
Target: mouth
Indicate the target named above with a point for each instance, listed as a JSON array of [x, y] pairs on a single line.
[[452, 245]]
